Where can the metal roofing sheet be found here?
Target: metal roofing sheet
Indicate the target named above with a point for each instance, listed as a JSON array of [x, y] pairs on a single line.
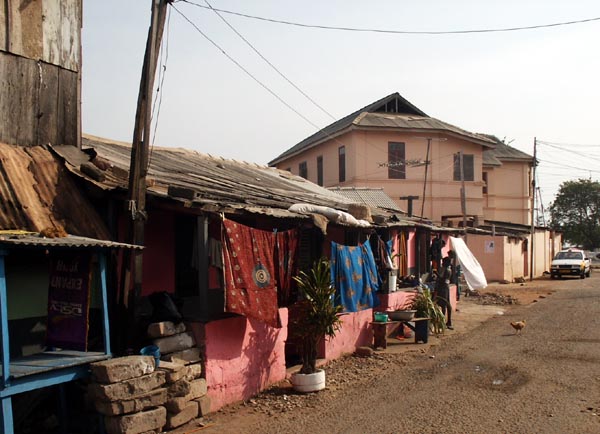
[[70, 241], [36, 193], [213, 181], [374, 197]]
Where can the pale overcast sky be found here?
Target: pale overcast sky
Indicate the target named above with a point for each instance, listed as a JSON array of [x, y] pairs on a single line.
[[519, 85]]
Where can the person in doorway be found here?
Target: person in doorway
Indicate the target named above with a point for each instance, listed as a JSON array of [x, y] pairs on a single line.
[[442, 289]]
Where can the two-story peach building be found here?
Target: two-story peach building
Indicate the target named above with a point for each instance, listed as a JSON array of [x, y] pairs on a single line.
[[391, 144], [507, 184]]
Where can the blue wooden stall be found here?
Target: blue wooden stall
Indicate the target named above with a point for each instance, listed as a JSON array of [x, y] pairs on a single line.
[[53, 367]]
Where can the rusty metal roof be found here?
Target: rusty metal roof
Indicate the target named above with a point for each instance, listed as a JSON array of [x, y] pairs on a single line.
[[374, 197], [8, 239], [37, 193], [392, 111], [200, 180]]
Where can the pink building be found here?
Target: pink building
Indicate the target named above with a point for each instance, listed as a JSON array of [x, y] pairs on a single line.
[[391, 144]]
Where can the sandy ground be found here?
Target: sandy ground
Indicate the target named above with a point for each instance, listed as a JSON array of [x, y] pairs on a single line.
[[480, 377]]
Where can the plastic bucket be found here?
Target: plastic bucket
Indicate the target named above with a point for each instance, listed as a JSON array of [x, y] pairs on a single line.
[[152, 350], [381, 317]]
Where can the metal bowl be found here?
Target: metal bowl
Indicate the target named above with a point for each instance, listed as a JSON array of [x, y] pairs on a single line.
[[401, 315]]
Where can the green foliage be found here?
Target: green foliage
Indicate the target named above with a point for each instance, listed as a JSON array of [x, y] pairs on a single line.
[[318, 316], [426, 307], [576, 212]]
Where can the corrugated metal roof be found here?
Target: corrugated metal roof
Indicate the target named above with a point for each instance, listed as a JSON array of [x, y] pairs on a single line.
[[207, 182], [37, 193], [374, 197], [393, 104], [70, 241]]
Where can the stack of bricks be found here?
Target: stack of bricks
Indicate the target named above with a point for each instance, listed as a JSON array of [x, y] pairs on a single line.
[[131, 395], [181, 363]]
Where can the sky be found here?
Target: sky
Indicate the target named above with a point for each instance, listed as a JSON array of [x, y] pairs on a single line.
[[519, 85]]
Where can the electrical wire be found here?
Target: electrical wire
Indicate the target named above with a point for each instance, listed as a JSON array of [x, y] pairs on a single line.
[[161, 79], [248, 73], [586, 155], [281, 74], [400, 32], [263, 85], [543, 142]]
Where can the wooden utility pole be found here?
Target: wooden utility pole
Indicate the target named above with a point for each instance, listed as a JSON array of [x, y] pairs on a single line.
[[425, 181], [138, 169], [532, 254]]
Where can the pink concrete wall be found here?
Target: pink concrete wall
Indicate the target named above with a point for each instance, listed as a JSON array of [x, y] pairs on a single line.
[[397, 300], [493, 263], [243, 357], [394, 300], [411, 248], [355, 332]]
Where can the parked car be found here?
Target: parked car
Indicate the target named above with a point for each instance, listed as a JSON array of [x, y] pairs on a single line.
[[571, 262]]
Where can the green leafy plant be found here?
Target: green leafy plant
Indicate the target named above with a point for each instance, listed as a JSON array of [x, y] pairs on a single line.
[[317, 316], [426, 307]]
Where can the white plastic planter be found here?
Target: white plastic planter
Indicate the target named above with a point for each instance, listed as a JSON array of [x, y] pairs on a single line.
[[309, 382]]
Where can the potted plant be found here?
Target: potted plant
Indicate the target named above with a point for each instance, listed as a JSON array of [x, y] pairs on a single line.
[[316, 319], [426, 307]]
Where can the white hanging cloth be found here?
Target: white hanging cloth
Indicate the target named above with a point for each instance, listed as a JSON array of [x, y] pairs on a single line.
[[471, 268]]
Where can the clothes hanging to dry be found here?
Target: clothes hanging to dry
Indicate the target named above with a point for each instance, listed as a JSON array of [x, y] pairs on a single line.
[[355, 276], [251, 274], [286, 243]]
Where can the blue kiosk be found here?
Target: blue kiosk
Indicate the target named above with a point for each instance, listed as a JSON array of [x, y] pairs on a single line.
[[53, 366]]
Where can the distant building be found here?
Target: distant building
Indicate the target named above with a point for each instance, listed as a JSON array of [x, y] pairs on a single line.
[[393, 145]]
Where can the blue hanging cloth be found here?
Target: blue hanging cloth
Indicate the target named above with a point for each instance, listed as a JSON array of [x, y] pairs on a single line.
[[355, 276]]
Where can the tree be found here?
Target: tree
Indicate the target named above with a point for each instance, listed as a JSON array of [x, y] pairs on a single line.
[[576, 212]]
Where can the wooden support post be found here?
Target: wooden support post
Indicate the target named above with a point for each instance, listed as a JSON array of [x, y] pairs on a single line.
[[140, 159], [4, 326], [105, 322], [7, 417]]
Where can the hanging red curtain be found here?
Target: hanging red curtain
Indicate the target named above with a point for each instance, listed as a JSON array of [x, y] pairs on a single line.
[[287, 246], [250, 286]]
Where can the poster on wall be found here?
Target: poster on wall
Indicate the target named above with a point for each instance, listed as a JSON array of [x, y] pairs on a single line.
[[69, 300], [489, 247]]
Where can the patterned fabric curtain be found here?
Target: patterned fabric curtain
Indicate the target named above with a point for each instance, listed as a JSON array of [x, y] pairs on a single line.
[[250, 287], [355, 276], [403, 267], [287, 246], [258, 267]]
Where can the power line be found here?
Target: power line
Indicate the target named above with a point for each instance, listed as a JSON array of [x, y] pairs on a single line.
[[239, 65], [568, 166], [161, 79], [281, 74], [400, 32], [568, 144], [586, 155]]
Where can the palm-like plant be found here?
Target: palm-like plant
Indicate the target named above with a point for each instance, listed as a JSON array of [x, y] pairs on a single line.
[[426, 307], [317, 316]]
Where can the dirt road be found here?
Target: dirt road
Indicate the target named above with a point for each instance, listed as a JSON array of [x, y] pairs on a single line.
[[487, 380]]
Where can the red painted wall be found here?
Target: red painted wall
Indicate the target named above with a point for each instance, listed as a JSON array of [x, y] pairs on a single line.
[[159, 253]]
